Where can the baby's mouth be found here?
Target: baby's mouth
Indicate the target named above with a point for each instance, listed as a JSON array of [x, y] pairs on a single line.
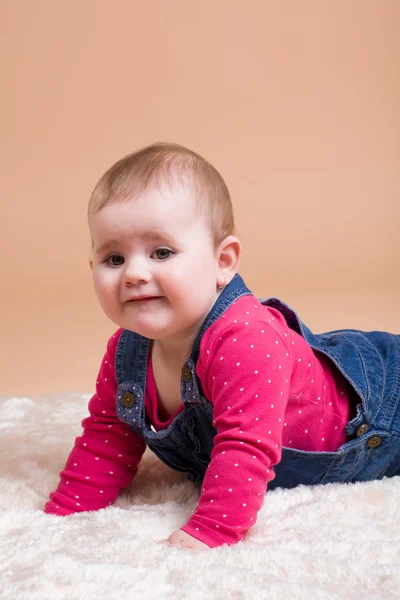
[[144, 299]]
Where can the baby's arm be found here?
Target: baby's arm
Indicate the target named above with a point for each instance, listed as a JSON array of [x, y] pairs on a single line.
[[249, 387], [105, 457]]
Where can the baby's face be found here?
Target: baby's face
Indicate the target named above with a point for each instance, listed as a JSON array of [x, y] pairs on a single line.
[[154, 265]]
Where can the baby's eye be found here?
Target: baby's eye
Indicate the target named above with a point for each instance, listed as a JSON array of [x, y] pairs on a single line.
[[163, 253], [115, 260]]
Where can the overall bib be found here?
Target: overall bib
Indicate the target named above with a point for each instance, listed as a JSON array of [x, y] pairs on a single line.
[[370, 361]]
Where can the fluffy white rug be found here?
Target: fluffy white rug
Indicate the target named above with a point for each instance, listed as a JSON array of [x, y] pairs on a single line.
[[333, 541]]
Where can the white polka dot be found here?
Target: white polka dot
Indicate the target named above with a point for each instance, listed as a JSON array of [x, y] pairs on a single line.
[[236, 465], [250, 479], [111, 472], [87, 477], [101, 492], [244, 504], [251, 345], [306, 431], [237, 364], [221, 358], [230, 490], [235, 339], [255, 372], [224, 516]]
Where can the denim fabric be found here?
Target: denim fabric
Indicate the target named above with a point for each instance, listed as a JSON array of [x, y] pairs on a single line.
[[370, 361]]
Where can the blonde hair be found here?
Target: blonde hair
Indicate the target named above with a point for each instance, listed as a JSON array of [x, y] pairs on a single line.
[[173, 164]]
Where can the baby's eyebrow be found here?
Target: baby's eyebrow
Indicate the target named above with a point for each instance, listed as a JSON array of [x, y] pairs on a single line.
[[156, 235]]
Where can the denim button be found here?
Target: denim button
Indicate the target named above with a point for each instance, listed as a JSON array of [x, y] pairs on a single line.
[[362, 429], [128, 399], [186, 374], [374, 442]]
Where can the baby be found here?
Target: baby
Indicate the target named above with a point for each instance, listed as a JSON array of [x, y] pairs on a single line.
[[235, 392]]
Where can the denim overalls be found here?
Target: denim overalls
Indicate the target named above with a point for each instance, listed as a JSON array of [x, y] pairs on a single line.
[[369, 361]]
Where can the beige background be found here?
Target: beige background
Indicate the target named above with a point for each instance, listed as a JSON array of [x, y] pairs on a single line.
[[295, 102]]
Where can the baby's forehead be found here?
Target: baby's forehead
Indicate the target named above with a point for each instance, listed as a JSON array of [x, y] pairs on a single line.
[[153, 215]]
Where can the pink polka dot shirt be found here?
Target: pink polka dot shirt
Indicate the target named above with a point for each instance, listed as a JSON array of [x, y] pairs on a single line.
[[268, 389]]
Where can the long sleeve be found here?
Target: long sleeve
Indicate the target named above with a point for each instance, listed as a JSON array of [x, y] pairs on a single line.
[[105, 457], [246, 372]]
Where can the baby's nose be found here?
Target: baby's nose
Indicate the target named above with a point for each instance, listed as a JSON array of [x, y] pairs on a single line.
[[136, 271]]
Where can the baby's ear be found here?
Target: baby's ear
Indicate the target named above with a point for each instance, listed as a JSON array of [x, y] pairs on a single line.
[[91, 264]]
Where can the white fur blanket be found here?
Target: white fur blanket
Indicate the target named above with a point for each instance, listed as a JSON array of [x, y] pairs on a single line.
[[334, 541]]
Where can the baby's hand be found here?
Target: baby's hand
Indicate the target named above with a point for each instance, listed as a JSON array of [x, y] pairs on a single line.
[[181, 539]]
